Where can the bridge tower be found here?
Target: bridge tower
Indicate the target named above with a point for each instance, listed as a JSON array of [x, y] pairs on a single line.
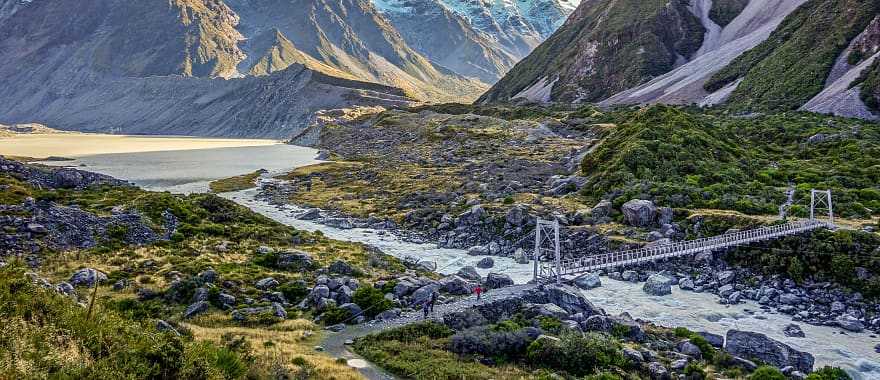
[[819, 199], [547, 241]]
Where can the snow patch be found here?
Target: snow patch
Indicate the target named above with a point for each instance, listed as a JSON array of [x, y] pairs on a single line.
[[538, 92]]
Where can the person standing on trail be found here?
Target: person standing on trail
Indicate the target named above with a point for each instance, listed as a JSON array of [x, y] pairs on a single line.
[[478, 290], [433, 300], [425, 310]]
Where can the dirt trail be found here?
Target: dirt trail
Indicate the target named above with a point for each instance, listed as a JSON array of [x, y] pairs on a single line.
[[334, 342]]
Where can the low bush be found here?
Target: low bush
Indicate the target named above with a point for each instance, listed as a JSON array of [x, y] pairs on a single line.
[[498, 344], [767, 373], [829, 373], [371, 300], [577, 354]]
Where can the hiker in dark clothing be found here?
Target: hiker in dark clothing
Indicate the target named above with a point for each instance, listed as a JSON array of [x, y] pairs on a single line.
[[433, 300], [425, 310]]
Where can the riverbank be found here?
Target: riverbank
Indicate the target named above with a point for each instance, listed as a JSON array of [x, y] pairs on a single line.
[[698, 311]]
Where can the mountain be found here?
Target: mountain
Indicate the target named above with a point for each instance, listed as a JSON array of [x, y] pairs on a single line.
[[157, 67], [518, 25], [349, 36], [751, 56], [605, 46], [481, 39]]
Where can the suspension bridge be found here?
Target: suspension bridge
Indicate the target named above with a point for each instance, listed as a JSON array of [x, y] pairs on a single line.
[[547, 244]]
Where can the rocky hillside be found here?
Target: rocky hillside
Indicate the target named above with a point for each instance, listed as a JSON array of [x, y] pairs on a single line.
[[777, 55], [604, 47]]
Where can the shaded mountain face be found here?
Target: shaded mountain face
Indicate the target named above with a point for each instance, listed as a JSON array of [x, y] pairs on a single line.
[[605, 46], [773, 55], [348, 36], [154, 67]]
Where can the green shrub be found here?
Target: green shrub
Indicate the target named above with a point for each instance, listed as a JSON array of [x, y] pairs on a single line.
[[767, 373], [294, 291], [486, 341], [577, 354], [694, 371], [335, 315], [829, 373], [371, 300]]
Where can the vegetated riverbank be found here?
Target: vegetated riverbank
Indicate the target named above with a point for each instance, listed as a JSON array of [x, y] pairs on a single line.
[[698, 311]]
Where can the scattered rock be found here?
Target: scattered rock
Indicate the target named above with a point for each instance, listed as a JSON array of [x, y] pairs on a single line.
[[588, 281], [639, 213], [657, 285], [195, 309], [266, 283], [758, 346], [498, 280], [850, 323], [689, 349], [87, 277], [486, 263], [341, 267], [469, 273], [793, 330]]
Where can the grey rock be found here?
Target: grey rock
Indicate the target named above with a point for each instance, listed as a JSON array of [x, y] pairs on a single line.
[[478, 250], [849, 323], [658, 371], [456, 285], [486, 263], [633, 355], [639, 213], [629, 275], [758, 346], [278, 310], [597, 323], [87, 277], [679, 364], [715, 340], [341, 267], [388, 315], [793, 330], [725, 291], [36, 228], [66, 289], [601, 209], [498, 280], [295, 261], [588, 281], [532, 310], [201, 294], [195, 309], [520, 256], [423, 294], [119, 285], [686, 284], [266, 283], [310, 214], [469, 273], [689, 349], [335, 328], [227, 299], [319, 292], [165, 326], [726, 277], [352, 308], [657, 285], [208, 276]]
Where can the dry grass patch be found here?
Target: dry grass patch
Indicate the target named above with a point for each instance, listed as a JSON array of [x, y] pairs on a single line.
[[281, 344]]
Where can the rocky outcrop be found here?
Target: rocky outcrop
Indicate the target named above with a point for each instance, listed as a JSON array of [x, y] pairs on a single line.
[[657, 285], [751, 345]]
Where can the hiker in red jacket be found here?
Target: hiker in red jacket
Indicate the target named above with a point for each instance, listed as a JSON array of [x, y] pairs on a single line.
[[479, 291]]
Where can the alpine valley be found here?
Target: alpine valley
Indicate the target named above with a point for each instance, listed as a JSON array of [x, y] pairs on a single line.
[[440, 189]]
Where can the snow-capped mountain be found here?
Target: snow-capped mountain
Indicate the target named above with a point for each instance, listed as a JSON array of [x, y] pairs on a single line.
[[514, 27], [519, 25]]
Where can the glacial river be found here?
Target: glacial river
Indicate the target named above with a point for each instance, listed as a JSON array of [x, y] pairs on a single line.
[[187, 165]]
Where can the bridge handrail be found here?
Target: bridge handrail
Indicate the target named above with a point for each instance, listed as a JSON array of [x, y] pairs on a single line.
[[679, 248]]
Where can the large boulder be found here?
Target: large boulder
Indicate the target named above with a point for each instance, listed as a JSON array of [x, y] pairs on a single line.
[[195, 309], [87, 277], [456, 285], [423, 294], [469, 273], [564, 296], [601, 209], [532, 310], [520, 256], [639, 213], [517, 216], [295, 261], [756, 346], [588, 281], [266, 283], [486, 263], [850, 323], [498, 280], [341, 267], [657, 285], [793, 331]]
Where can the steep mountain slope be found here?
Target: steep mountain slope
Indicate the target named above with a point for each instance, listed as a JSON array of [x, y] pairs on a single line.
[[792, 65], [518, 25], [604, 47], [352, 37], [685, 84], [147, 67], [446, 38]]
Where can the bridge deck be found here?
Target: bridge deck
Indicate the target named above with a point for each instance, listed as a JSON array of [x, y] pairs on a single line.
[[640, 255]]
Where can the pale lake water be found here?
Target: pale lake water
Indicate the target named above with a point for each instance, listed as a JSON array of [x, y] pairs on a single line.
[[175, 164], [188, 164]]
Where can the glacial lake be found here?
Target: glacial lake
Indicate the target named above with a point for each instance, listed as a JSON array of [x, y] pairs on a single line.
[[160, 163]]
